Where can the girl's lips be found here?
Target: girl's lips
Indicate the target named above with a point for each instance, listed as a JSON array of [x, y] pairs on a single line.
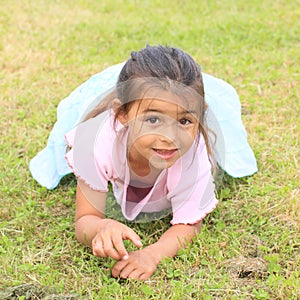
[[165, 153]]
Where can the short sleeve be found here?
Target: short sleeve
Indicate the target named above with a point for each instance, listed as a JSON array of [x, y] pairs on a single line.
[[89, 156], [191, 186]]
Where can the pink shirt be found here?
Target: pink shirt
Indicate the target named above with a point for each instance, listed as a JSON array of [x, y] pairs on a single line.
[[98, 156]]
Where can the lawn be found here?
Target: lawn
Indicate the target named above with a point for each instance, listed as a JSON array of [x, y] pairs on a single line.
[[249, 246]]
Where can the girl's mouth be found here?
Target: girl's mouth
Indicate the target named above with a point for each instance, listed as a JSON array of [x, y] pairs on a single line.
[[166, 153]]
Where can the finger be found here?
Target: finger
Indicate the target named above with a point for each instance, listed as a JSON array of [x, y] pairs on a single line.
[[110, 250], [119, 246], [97, 248], [118, 267], [135, 274], [132, 236], [127, 270], [144, 276]]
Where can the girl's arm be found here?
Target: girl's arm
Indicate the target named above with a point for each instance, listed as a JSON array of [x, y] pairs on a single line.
[[87, 216], [143, 263], [175, 238], [104, 236]]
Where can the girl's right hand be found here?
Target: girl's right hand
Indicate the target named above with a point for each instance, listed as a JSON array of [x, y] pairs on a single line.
[[108, 241]]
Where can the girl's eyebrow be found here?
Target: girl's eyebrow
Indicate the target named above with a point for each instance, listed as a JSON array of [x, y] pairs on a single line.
[[152, 110], [155, 110]]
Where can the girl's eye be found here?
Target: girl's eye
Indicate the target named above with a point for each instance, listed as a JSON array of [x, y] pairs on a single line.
[[152, 120], [185, 121]]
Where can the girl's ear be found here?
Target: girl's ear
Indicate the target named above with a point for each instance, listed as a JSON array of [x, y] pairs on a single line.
[[122, 118]]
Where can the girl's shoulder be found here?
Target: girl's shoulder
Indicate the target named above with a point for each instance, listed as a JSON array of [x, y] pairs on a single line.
[[92, 154], [90, 131]]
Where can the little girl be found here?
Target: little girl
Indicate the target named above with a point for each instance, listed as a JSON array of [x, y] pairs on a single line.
[[152, 145], [149, 139]]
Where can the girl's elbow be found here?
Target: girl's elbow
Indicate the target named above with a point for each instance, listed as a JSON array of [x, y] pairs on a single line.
[[80, 234]]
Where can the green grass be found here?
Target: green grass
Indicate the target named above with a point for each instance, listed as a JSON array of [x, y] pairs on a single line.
[[249, 246]]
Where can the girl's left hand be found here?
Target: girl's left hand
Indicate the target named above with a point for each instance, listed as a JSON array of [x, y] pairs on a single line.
[[141, 264]]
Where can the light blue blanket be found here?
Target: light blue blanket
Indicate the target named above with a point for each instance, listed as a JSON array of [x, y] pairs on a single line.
[[232, 150]]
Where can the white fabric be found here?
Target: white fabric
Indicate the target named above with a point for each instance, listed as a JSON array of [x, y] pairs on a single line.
[[233, 152]]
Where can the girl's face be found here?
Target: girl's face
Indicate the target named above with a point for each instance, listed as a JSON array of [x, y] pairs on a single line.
[[161, 130]]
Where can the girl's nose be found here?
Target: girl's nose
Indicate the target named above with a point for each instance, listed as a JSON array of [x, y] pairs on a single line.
[[168, 134]]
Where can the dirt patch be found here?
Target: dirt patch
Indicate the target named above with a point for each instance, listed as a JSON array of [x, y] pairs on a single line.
[[242, 267], [30, 291]]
